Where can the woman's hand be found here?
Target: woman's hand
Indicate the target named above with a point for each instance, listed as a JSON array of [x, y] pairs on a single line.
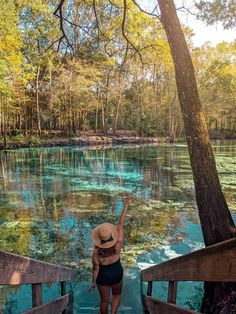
[[127, 201], [92, 286]]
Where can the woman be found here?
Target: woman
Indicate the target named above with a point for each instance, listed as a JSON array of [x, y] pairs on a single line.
[[107, 269]]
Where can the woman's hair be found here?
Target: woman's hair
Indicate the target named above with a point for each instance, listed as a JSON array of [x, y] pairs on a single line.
[[102, 252]]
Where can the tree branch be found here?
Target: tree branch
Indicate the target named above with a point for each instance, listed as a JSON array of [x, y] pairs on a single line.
[[60, 16], [146, 12], [124, 34]]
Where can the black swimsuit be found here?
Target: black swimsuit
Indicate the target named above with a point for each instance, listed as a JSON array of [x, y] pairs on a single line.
[[110, 275]]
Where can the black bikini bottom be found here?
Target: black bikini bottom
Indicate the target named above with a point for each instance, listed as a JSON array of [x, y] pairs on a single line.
[[110, 275]]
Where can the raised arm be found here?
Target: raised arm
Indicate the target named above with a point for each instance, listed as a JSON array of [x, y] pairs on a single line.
[[95, 262], [122, 219]]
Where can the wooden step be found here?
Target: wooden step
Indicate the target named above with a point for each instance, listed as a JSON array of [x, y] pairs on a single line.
[[96, 310]]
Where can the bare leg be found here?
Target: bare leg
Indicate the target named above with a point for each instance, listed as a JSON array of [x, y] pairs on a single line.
[[116, 294], [104, 294]]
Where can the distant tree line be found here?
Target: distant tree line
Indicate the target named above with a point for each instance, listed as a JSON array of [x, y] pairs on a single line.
[[48, 84]]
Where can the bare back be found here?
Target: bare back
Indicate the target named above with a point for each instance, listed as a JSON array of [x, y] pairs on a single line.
[[108, 259]]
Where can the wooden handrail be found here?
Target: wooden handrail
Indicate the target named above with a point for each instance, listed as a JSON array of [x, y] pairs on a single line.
[[16, 269], [159, 307], [56, 306], [215, 263]]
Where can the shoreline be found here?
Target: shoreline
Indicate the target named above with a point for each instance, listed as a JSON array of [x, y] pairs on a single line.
[[88, 141], [82, 141]]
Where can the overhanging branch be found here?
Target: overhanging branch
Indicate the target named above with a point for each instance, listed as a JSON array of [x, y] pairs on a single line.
[[124, 34], [59, 13]]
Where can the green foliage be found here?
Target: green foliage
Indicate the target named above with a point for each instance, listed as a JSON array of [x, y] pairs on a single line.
[[92, 87], [33, 140], [10, 47], [218, 11], [216, 73]]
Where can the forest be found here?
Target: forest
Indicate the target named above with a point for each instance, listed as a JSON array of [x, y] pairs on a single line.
[[102, 68], [68, 67]]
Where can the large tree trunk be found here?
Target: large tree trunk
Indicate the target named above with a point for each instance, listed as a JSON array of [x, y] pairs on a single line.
[[216, 220], [209, 196]]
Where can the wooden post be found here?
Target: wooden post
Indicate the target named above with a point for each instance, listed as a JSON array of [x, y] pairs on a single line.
[[63, 288], [149, 288], [36, 294], [172, 292], [63, 291], [149, 293]]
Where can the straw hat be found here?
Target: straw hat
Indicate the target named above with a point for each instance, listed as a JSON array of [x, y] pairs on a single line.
[[105, 235]]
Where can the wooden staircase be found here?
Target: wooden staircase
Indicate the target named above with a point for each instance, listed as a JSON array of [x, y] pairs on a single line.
[[216, 263], [19, 270]]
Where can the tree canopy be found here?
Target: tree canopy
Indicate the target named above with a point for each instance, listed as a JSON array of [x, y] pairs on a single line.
[[223, 11], [101, 67]]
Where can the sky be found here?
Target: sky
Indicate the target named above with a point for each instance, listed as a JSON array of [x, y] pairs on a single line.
[[203, 33]]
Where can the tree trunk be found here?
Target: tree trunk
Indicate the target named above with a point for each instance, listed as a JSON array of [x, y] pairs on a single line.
[[1, 116], [37, 103], [115, 120], [210, 199], [216, 221], [172, 120], [4, 125], [154, 82], [105, 130], [96, 119]]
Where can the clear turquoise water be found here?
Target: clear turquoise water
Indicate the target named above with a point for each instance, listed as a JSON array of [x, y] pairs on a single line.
[[51, 198]]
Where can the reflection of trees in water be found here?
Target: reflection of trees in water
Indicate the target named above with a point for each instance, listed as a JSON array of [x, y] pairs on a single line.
[[15, 235], [71, 245], [50, 188], [155, 170], [4, 173], [56, 170]]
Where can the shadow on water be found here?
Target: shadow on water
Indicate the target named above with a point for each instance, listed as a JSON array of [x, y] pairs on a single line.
[[51, 198]]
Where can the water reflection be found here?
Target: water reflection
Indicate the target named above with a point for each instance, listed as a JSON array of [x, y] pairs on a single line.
[[51, 198], [43, 188]]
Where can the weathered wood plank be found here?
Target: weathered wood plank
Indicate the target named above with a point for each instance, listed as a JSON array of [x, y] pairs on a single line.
[[56, 306], [145, 309], [172, 292], [158, 307], [37, 295], [16, 269], [216, 263]]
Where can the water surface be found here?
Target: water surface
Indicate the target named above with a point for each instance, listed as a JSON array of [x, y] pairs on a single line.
[[51, 198]]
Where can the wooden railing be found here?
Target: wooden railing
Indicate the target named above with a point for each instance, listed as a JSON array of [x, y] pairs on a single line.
[[18, 270], [216, 263]]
